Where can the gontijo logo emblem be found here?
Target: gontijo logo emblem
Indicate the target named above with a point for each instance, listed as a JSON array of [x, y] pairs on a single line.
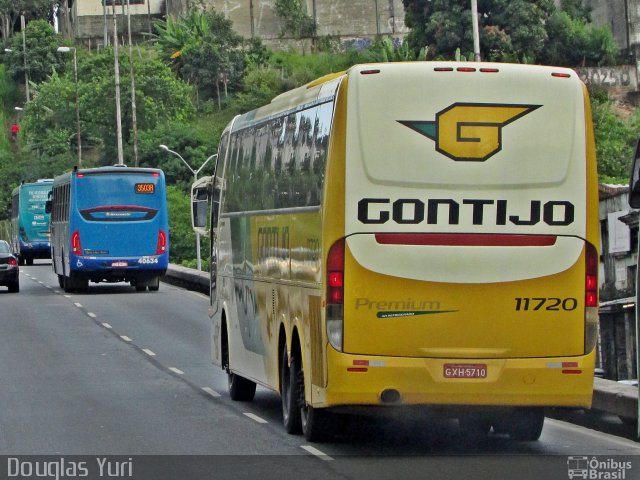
[[470, 131]]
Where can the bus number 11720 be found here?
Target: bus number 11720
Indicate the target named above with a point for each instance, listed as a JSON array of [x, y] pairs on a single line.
[[542, 303]]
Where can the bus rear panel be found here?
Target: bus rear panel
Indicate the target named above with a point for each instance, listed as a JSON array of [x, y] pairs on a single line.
[[470, 243], [117, 227]]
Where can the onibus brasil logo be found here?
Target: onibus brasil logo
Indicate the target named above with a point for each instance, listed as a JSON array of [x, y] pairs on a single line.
[[470, 131]]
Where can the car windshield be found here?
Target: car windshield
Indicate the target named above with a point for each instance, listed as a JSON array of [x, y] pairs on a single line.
[[4, 247]]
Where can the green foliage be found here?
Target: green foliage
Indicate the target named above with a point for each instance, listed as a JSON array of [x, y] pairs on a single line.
[[42, 57], [182, 239], [510, 30], [194, 143], [384, 50], [50, 117], [294, 18], [204, 50], [574, 43], [615, 140]]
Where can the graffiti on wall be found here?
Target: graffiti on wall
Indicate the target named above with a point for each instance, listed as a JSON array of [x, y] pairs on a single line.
[[622, 77]]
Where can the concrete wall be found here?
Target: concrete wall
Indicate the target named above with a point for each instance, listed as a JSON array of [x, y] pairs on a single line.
[[89, 19], [356, 21]]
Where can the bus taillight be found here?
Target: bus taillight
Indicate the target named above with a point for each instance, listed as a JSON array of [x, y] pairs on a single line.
[[335, 294], [162, 243], [76, 246], [590, 298]]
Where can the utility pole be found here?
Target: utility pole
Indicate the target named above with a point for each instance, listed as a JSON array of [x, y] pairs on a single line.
[[116, 70], [476, 33], [134, 119], [24, 54], [105, 37]]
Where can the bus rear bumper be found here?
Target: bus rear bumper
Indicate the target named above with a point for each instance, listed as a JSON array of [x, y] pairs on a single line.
[[394, 381]]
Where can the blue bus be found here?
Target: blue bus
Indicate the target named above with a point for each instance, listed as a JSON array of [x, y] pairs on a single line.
[[109, 224], [30, 222]]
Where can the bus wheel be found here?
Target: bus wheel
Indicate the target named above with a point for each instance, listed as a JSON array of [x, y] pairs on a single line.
[[154, 284], [317, 423], [241, 389], [61, 281], [525, 424], [290, 394], [29, 261]]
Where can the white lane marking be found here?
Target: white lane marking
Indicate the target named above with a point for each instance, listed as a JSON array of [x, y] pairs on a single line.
[[106, 325], [41, 283], [149, 352], [255, 417], [67, 296], [317, 453], [176, 370], [79, 305], [211, 392], [592, 433], [125, 338], [92, 315], [48, 286]]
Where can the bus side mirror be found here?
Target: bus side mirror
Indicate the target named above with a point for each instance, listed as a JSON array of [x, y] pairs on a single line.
[[634, 183], [200, 198], [47, 207]]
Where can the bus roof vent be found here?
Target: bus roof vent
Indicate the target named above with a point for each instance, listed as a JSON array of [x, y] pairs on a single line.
[[44, 180], [120, 165]]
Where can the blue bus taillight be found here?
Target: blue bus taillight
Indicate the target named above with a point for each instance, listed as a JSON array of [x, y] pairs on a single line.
[[76, 246], [335, 295], [162, 243]]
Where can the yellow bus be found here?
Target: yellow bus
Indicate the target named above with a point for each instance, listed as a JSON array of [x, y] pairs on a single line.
[[416, 234]]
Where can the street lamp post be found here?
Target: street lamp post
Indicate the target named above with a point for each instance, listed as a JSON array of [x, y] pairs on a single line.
[[75, 77], [195, 178]]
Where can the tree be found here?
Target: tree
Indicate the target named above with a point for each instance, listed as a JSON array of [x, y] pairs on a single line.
[[295, 20], [50, 116], [41, 44], [10, 10], [510, 30], [203, 49]]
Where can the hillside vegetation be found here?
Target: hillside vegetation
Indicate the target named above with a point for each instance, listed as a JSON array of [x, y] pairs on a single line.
[[190, 80]]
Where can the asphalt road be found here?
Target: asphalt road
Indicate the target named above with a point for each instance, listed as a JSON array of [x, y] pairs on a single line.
[[116, 372]]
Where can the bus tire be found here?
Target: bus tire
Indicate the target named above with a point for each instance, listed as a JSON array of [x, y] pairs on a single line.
[[67, 284], [525, 424], [241, 389], [29, 260], [290, 394], [318, 425], [154, 284], [61, 281]]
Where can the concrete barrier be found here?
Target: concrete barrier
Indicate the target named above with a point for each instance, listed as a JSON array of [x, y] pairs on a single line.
[[615, 398], [188, 278], [608, 396]]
